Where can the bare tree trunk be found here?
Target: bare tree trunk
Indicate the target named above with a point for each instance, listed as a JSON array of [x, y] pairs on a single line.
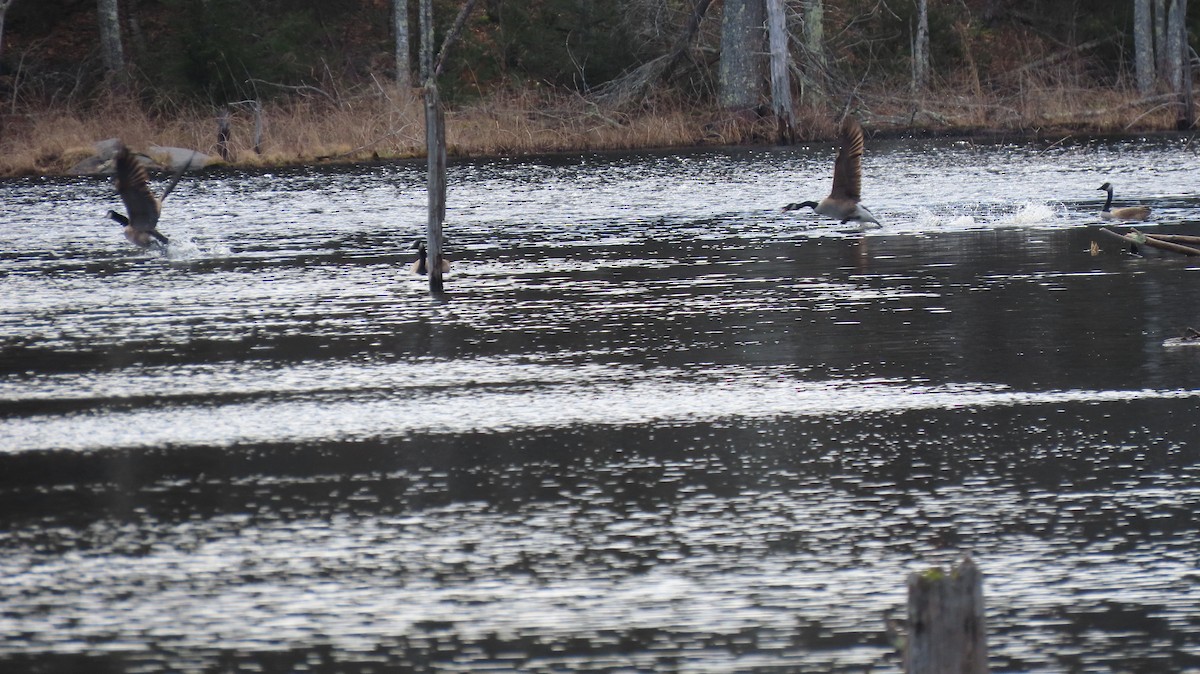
[[1182, 56], [1176, 44], [1188, 118], [1143, 46], [814, 31], [110, 38], [814, 82], [137, 37], [1160, 37], [920, 72], [403, 61], [781, 86], [4, 5], [741, 72], [425, 19]]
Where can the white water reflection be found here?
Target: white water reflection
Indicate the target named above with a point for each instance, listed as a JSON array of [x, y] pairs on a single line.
[[352, 401], [655, 423]]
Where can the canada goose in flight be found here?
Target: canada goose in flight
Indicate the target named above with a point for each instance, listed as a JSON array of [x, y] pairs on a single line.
[[419, 265], [141, 206], [842, 202], [1127, 213]]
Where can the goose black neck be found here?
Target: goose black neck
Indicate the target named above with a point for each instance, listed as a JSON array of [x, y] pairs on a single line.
[[802, 204], [1108, 201]]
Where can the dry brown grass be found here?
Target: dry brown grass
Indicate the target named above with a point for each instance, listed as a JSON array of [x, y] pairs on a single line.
[[388, 123], [1033, 101], [531, 123], [383, 122]]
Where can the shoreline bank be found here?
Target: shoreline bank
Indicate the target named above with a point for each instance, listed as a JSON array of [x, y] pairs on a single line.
[[390, 127]]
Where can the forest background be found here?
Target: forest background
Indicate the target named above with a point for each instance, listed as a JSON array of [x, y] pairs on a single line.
[[302, 81]]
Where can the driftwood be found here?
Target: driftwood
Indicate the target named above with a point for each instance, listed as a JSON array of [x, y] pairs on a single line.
[[1175, 238], [1165, 242]]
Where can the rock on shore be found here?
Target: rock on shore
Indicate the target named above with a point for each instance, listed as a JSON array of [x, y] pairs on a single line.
[[156, 158]]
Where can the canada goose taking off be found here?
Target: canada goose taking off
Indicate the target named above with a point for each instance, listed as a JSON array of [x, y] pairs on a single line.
[[419, 265], [141, 206], [1127, 213], [842, 202]]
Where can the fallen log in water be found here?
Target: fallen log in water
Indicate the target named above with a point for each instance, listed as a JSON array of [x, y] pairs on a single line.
[[1159, 241], [1175, 238]]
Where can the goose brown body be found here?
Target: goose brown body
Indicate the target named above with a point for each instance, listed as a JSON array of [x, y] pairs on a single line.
[[142, 207], [420, 265], [843, 200], [1126, 213]]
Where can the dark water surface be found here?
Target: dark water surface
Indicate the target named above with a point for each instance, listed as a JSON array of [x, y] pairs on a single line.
[[654, 424]]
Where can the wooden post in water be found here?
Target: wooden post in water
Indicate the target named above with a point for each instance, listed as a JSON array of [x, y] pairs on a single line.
[[435, 151], [435, 147], [946, 630], [435, 134]]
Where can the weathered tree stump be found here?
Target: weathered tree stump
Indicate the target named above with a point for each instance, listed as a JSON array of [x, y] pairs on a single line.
[[946, 630]]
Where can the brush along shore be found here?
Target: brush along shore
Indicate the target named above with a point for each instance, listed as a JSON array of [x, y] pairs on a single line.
[[389, 124]]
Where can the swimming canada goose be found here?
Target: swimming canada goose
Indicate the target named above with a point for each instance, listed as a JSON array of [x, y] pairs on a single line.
[[842, 202], [1127, 213], [419, 265], [141, 206]]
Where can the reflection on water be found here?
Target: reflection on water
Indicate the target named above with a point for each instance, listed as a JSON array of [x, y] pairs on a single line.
[[656, 423]]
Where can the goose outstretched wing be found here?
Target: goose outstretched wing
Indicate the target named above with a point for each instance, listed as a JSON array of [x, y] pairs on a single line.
[[133, 184], [847, 168]]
